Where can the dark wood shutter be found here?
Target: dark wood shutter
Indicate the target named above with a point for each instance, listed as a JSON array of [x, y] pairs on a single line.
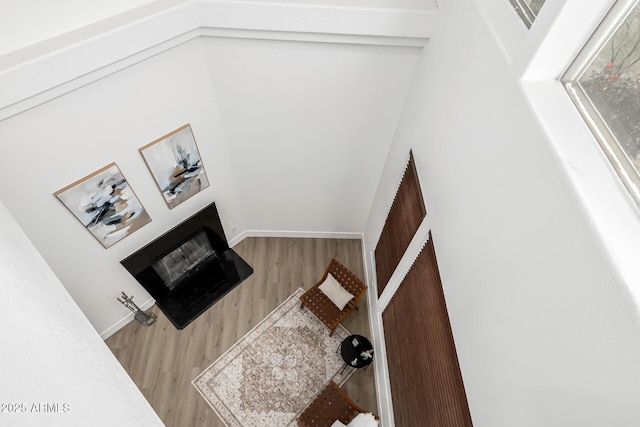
[[404, 218], [426, 383]]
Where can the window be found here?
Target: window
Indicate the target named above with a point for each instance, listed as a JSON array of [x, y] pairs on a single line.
[[604, 83], [527, 9]]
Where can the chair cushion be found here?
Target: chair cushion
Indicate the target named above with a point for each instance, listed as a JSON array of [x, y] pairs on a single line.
[[363, 420], [335, 292]]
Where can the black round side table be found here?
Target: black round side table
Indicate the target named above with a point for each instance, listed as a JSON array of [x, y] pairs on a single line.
[[356, 351]]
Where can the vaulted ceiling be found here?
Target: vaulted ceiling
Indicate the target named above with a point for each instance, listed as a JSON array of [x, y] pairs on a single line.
[[48, 49]]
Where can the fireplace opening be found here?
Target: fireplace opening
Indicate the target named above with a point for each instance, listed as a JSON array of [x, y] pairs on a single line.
[[178, 264]]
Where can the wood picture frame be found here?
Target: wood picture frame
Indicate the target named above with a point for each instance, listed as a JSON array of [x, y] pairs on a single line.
[[175, 163], [105, 204]]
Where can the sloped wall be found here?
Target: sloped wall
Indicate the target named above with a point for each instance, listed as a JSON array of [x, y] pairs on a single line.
[[56, 370], [546, 331]]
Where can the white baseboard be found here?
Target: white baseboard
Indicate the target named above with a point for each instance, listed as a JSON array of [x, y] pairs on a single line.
[[296, 234], [125, 320], [381, 372]]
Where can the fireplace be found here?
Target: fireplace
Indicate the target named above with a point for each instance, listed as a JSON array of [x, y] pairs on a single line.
[[189, 268]]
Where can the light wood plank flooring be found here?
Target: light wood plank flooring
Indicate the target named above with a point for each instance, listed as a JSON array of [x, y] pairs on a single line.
[[163, 361]]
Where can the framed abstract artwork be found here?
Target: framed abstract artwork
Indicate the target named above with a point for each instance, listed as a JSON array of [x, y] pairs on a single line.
[[105, 204], [175, 163]]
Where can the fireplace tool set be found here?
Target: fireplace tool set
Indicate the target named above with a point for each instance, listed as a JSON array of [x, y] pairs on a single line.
[[141, 316]]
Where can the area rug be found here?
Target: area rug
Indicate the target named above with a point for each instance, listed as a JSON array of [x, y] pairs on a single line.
[[274, 371]]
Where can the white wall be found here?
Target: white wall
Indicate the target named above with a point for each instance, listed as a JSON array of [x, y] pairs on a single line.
[[546, 329], [55, 368], [280, 126], [308, 126]]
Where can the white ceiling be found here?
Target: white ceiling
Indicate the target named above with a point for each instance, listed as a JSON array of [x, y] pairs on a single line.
[[27, 22]]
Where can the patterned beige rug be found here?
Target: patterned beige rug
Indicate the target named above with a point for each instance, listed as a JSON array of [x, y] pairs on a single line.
[[274, 371]]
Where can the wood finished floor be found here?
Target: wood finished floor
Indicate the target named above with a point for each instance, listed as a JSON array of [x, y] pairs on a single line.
[[163, 361]]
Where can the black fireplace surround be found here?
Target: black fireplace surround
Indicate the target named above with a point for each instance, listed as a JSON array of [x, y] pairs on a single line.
[[189, 268]]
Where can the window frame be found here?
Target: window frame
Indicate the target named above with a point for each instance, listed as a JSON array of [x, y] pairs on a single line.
[[525, 11], [616, 155]]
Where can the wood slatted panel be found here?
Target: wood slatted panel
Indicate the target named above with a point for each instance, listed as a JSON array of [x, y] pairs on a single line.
[[404, 218], [426, 382]]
